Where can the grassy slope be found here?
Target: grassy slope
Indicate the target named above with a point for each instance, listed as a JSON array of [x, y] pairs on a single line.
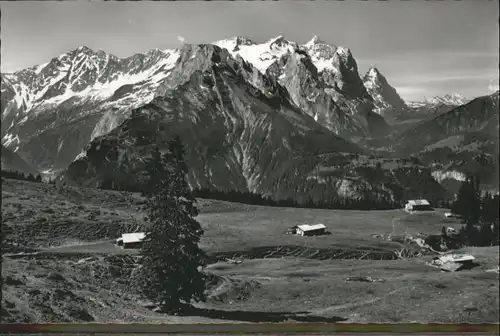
[[265, 227], [412, 291]]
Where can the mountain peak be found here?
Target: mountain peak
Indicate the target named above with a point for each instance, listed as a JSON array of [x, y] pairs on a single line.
[[373, 70], [384, 95], [343, 51], [83, 49], [277, 39], [261, 55], [243, 40], [315, 40], [234, 43], [373, 75], [158, 51]]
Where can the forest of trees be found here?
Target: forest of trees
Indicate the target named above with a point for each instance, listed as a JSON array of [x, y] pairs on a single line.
[[21, 176], [479, 212]]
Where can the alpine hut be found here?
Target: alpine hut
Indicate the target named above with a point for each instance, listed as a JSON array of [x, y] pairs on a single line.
[[310, 230], [131, 240], [418, 205]]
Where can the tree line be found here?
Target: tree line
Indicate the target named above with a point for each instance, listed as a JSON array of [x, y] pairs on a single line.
[[253, 198], [479, 213], [258, 199], [16, 175]]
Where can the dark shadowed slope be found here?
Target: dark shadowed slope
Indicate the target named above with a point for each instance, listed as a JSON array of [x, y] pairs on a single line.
[[11, 161]]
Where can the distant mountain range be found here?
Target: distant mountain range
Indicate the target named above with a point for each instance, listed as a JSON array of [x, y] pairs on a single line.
[[464, 139], [479, 115], [277, 118], [454, 99], [430, 108]]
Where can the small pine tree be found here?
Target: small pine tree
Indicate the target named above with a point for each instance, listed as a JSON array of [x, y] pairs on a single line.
[[170, 256]]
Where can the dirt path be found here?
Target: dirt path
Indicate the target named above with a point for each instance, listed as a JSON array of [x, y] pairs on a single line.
[[103, 246]]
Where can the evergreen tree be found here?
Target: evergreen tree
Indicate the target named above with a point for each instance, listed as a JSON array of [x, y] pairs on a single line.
[[489, 208], [485, 236], [468, 203], [170, 256], [471, 235], [496, 234]]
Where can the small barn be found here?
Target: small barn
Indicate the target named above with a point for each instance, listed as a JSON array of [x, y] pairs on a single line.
[[418, 205], [311, 230], [450, 230], [131, 240], [454, 262]]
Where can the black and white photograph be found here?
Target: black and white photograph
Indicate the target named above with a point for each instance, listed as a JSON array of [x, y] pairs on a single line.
[[209, 162]]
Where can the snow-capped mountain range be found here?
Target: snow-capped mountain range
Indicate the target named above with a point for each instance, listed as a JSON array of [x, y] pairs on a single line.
[[333, 66], [98, 90], [242, 130], [450, 99], [454, 99], [84, 73], [250, 113]]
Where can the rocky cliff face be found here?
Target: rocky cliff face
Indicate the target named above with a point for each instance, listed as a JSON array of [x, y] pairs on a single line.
[[300, 77], [386, 98]]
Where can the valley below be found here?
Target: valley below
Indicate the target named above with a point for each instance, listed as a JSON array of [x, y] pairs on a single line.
[[71, 271]]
